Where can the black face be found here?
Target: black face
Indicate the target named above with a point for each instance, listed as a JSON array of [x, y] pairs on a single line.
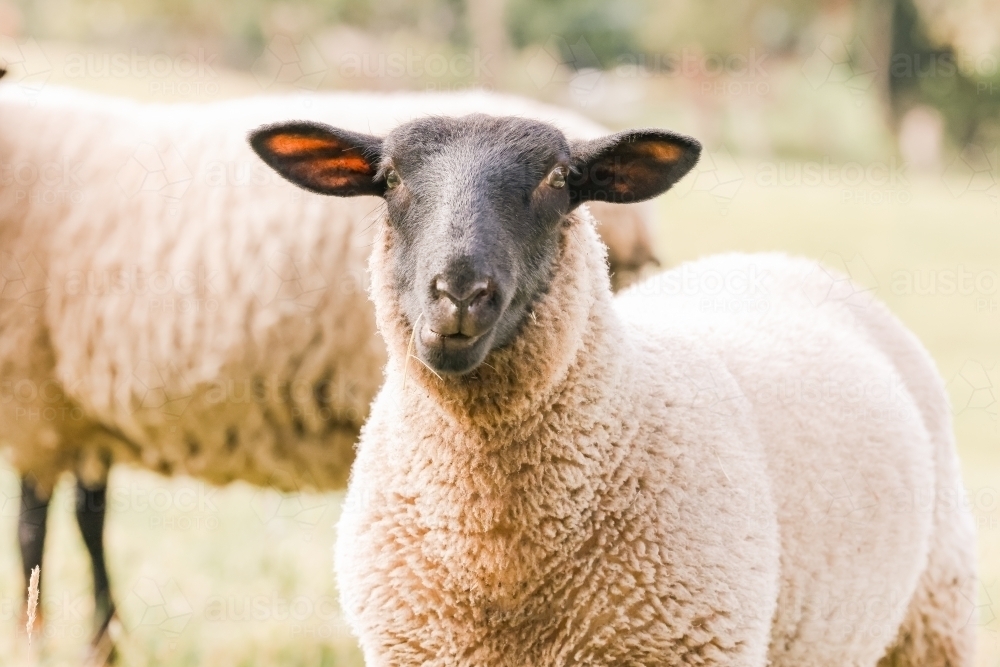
[[475, 205], [475, 217]]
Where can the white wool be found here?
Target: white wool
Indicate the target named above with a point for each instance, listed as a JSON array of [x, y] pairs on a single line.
[[737, 462], [878, 551]]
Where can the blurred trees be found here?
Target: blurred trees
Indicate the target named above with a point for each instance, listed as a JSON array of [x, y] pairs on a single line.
[[610, 29], [963, 84], [906, 53]]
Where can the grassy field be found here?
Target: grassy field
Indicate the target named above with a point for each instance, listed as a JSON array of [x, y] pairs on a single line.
[[242, 576]]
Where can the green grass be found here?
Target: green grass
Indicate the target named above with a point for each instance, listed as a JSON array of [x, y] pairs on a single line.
[[203, 576]]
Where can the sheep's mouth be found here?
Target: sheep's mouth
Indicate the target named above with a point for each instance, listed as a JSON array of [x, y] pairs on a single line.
[[452, 354], [454, 341]]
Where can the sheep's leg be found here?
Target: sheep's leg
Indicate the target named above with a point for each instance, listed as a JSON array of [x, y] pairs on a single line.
[[31, 525], [91, 505]]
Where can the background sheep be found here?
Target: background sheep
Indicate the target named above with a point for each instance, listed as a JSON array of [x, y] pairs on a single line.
[[174, 304], [567, 479]]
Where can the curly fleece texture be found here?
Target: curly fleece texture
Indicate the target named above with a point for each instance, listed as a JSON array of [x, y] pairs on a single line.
[[168, 300], [663, 479]]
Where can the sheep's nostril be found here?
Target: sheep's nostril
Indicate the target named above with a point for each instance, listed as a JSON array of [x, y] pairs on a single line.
[[481, 293], [440, 288]]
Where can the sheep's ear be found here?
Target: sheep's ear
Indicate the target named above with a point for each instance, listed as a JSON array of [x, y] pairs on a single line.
[[630, 166], [321, 158], [3, 71]]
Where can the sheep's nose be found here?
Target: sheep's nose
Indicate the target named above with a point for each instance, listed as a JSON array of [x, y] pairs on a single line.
[[465, 295], [462, 307]]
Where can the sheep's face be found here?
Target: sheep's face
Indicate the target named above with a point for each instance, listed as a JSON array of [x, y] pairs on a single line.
[[475, 206]]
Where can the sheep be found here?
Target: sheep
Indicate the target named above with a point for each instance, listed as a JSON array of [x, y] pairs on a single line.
[[551, 476], [169, 302]]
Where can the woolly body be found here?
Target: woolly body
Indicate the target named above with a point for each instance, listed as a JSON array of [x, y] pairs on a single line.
[[662, 479]]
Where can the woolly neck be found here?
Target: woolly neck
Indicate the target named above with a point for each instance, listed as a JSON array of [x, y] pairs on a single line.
[[530, 439], [504, 398]]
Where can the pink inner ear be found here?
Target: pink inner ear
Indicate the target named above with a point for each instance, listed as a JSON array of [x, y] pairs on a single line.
[[293, 144], [664, 152], [347, 162], [330, 179]]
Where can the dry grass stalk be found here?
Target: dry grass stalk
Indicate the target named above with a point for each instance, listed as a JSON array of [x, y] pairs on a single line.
[[409, 354], [409, 350], [32, 600]]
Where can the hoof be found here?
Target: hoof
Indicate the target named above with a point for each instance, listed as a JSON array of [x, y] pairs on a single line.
[[102, 651]]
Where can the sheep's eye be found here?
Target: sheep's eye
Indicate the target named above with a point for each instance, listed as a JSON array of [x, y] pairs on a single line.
[[557, 177], [391, 179]]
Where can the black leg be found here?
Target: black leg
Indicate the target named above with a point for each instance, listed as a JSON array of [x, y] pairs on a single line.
[[31, 525], [91, 504]]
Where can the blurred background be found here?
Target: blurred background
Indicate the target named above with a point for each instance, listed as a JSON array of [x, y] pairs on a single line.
[[861, 133]]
